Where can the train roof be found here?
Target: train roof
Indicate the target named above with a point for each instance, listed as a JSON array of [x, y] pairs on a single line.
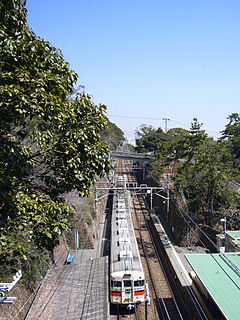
[[220, 275], [125, 256]]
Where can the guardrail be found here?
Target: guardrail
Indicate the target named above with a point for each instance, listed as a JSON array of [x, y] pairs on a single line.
[[131, 156]]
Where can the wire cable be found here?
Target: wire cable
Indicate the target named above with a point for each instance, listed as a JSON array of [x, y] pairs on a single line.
[[184, 215]]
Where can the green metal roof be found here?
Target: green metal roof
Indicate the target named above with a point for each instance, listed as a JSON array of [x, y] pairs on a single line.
[[234, 234], [236, 242], [220, 274]]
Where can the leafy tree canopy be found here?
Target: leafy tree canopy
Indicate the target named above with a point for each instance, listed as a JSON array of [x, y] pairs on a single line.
[[150, 139], [204, 179], [177, 133], [204, 175], [232, 133], [205, 169], [50, 142], [113, 135]]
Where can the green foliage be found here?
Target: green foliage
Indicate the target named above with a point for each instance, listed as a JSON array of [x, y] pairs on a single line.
[[50, 142], [113, 135], [169, 149], [177, 133], [232, 134], [149, 139], [162, 157], [204, 175], [37, 223], [179, 142], [205, 168]]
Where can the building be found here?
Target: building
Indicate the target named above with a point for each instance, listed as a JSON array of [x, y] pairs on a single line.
[[217, 278], [233, 241]]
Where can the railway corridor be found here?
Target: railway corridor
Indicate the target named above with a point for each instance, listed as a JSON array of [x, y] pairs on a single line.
[[141, 236], [162, 300], [163, 305]]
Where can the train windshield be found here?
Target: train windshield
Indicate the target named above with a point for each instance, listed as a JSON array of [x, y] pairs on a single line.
[[117, 284], [138, 283], [127, 283]]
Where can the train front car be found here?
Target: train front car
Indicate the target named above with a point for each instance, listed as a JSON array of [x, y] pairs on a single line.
[[127, 283], [127, 288]]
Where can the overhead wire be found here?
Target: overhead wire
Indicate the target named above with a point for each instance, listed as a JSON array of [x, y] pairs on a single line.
[[134, 117], [182, 211], [158, 119], [184, 215]]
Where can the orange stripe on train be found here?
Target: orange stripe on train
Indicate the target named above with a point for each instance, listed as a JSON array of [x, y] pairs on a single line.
[[115, 294], [138, 293]]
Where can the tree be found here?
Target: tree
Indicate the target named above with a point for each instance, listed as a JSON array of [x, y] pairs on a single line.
[[178, 142], [232, 134], [166, 146], [144, 130], [162, 158], [113, 135], [204, 176], [50, 142], [205, 169], [149, 138]]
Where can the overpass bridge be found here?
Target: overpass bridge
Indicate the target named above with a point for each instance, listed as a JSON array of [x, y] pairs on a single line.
[[120, 155]]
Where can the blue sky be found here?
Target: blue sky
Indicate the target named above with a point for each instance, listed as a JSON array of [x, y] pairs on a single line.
[[148, 60]]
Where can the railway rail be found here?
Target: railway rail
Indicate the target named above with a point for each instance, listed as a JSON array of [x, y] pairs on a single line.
[[164, 300], [132, 314], [163, 304]]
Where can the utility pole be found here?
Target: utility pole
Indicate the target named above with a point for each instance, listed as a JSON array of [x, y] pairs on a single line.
[[166, 124]]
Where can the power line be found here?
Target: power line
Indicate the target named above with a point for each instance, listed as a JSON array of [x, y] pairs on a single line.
[[158, 119], [134, 117], [185, 215], [187, 125]]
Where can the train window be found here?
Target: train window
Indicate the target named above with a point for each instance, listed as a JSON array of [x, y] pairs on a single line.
[[138, 283], [127, 283], [117, 284]]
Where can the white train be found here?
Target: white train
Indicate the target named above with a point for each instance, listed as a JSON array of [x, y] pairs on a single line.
[[127, 283], [120, 182]]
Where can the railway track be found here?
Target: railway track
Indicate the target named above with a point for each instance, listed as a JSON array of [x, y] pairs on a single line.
[[129, 311], [163, 304], [132, 315]]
